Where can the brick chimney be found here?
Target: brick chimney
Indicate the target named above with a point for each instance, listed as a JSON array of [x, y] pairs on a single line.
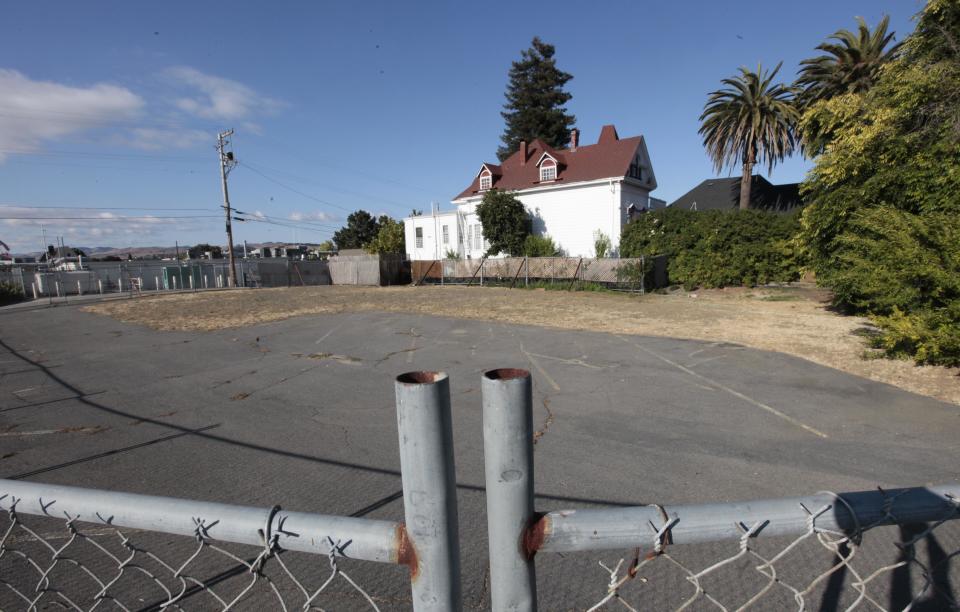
[[574, 139], [523, 152]]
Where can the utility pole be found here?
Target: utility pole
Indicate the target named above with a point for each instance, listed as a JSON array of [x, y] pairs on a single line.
[[227, 162]]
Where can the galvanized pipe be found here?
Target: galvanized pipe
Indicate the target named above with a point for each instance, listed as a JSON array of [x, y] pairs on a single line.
[[358, 538], [617, 528], [429, 489], [508, 463]]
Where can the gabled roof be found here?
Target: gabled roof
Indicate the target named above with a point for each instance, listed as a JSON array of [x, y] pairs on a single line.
[[494, 169], [609, 158], [724, 194]]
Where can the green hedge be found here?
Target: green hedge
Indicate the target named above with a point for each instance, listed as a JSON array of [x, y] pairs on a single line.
[[9, 293], [718, 248]]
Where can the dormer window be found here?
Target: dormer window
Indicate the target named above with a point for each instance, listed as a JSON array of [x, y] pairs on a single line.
[[486, 182], [548, 167], [548, 172]]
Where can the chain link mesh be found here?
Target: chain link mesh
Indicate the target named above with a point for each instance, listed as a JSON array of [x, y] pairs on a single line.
[[784, 573], [79, 565]]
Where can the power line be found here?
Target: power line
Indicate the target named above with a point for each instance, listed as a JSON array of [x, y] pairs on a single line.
[[295, 190], [120, 218], [259, 215], [301, 179], [93, 154], [292, 226], [72, 207], [282, 147]]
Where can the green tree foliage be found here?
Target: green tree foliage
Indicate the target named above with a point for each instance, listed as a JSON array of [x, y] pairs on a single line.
[[389, 239], [199, 250], [883, 223], [535, 99], [326, 245], [717, 248], [505, 222], [851, 64], [540, 246], [360, 229], [751, 120], [601, 244], [10, 293]]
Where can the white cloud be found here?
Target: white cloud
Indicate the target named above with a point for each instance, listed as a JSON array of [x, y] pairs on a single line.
[[214, 97], [92, 229], [317, 215], [33, 112], [154, 139]]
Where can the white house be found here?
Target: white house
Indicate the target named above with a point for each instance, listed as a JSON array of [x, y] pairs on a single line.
[[569, 193]]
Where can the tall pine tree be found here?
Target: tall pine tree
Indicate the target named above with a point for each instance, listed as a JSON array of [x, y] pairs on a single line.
[[535, 99]]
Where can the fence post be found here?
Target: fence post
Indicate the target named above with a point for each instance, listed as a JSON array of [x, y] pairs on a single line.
[[34, 287], [482, 261], [643, 271], [429, 488], [100, 286], [508, 464], [526, 274]]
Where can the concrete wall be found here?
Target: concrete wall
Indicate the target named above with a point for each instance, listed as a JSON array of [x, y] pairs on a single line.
[[292, 273], [370, 270]]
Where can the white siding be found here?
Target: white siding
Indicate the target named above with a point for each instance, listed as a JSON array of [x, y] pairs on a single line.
[[432, 228], [568, 214]]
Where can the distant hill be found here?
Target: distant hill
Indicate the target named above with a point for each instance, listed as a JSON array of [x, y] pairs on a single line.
[[156, 252]]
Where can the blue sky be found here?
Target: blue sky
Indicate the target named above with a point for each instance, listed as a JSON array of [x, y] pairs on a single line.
[[385, 106]]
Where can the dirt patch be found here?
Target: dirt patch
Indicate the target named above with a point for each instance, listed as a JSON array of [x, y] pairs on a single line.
[[793, 321]]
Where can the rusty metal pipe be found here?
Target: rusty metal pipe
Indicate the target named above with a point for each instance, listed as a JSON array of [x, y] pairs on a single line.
[[429, 489], [618, 528], [508, 463]]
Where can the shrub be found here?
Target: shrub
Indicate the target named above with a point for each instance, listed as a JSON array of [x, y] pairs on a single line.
[[601, 244], [718, 248], [539, 246], [9, 293]]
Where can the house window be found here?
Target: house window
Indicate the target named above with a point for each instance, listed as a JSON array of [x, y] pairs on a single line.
[[419, 231], [446, 234], [548, 173], [477, 239], [486, 181]]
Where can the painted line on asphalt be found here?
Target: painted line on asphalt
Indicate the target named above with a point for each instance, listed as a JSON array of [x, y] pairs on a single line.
[[576, 362], [43, 432], [745, 398], [543, 372], [324, 336]]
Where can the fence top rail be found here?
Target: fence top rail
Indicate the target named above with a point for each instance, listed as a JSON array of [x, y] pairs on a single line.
[[355, 538], [651, 527]]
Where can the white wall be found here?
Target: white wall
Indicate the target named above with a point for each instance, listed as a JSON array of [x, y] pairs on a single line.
[[570, 214], [432, 227]]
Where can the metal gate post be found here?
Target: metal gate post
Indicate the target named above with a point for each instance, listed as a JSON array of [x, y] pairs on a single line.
[[429, 489], [508, 463]]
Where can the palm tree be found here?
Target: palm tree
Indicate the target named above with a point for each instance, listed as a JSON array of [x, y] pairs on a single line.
[[850, 65], [752, 119]]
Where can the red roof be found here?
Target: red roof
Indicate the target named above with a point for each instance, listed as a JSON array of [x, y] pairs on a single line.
[[609, 158]]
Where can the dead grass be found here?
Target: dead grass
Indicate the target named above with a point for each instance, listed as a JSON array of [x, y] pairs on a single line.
[[793, 321]]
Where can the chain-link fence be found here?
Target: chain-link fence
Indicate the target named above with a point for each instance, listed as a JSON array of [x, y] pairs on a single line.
[[81, 548], [876, 549], [892, 549], [638, 274]]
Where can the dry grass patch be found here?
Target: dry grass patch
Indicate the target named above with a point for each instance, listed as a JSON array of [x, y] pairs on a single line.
[[793, 321]]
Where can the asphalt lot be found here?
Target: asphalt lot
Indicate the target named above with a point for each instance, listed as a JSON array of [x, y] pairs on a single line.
[[300, 413]]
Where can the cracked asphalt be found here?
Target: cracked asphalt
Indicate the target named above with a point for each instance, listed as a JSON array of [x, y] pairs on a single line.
[[300, 413]]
